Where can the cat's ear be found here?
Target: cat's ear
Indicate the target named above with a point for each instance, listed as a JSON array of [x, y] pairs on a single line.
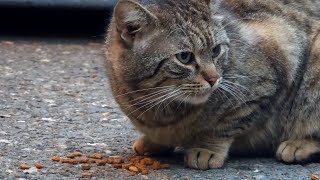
[[131, 18], [208, 1]]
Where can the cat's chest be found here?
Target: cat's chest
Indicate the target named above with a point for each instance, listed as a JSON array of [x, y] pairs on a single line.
[[174, 135]]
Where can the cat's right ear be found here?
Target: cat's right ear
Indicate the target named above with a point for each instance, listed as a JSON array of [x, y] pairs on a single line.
[[131, 18]]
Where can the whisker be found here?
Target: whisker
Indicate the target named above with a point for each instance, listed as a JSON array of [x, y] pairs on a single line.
[[155, 100], [238, 85], [166, 98], [173, 100], [153, 94], [141, 90], [146, 99], [238, 93], [232, 92]]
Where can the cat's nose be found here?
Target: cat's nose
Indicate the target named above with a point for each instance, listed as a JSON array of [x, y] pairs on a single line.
[[212, 80]]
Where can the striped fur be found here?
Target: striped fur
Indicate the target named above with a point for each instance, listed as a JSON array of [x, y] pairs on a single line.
[[267, 99]]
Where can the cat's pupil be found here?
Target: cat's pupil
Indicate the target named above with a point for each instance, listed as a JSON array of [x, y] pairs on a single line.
[[216, 51], [185, 55]]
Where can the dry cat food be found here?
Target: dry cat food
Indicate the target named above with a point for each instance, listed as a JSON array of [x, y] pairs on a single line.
[[55, 158], [24, 166], [86, 167], [74, 154], [39, 166], [134, 164], [96, 156]]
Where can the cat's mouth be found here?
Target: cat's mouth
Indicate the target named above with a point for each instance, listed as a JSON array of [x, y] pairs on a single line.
[[198, 97]]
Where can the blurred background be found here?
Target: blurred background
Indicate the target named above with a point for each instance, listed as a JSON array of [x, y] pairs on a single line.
[[55, 18]]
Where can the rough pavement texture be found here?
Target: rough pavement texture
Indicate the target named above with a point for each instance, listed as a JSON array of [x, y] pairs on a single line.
[[55, 98]]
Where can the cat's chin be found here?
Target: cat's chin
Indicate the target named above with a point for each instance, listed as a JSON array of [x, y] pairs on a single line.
[[197, 99]]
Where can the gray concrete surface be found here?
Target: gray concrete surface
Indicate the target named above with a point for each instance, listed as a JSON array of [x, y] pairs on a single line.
[[55, 98]]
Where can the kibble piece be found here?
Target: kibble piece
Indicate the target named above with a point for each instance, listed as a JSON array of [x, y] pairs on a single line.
[[108, 160], [140, 166], [117, 166], [126, 166], [133, 169], [134, 159], [39, 166], [101, 162], [24, 166], [147, 161], [77, 153], [86, 167], [96, 156], [117, 161], [73, 161], [83, 160], [55, 158], [71, 156], [86, 175], [92, 161], [65, 160], [94, 76], [156, 165]]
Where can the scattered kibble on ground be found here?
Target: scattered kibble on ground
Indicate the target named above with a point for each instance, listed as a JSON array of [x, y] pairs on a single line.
[[134, 164]]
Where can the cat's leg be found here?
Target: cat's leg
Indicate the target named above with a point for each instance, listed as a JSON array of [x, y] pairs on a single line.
[[304, 131], [208, 155], [144, 145], [297, 150]]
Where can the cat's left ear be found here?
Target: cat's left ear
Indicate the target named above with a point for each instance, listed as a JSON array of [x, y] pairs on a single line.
[[131, 18]]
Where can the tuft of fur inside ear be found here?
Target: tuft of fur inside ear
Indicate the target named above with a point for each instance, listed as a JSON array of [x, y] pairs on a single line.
[[131, 18]]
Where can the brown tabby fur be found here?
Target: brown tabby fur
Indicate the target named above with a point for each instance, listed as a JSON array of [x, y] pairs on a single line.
[[268, 96]]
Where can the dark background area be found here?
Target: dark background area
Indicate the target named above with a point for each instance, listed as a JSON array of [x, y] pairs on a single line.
[[45, 18]]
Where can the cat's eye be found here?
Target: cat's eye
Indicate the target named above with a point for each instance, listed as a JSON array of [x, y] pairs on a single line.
[[216, 51], [185, 57]]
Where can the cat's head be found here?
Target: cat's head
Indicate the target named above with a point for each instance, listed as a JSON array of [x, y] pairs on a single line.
[[174, 48]]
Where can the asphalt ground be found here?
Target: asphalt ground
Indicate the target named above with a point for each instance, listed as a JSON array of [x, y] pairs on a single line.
[[55, 98]]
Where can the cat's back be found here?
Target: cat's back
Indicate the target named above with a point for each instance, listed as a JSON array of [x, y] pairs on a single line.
[[309, 7], [243, 8]]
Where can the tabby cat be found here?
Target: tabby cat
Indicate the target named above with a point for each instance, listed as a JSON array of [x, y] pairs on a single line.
[[219, 77]]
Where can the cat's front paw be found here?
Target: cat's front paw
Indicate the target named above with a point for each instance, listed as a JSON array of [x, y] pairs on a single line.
[[143, 145], [297, 151], [204, 159]]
